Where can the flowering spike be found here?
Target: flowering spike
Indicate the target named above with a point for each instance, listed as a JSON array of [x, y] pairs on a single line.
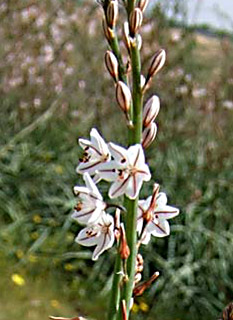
[[112, 13], [142, 4], [135, 21], [123, 96], [151, 110], [111, 64], [149, 134], [139, 289]]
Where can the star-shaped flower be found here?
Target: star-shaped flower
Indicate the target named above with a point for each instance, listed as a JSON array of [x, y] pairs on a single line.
[[128, 170], [100, 234], [153, 214], [96, 152], [91, 205]]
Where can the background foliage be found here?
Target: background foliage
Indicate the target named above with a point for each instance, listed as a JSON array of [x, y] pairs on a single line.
[[54, 88]]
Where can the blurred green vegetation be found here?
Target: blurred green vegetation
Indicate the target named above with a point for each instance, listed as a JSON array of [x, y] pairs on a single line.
[[54, 88]]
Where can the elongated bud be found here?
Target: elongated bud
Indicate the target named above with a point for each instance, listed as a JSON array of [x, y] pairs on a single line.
[[157, 63], [150, 110], [112, 13], [148, 135], [111, 64], [117, 224], [124, 248], [126, 36], [135, 21], [108, 32], [139, 263], [123, 96], [140, 288], [142, 4]]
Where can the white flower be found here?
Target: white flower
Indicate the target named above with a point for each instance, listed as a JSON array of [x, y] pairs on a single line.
[[153, 214], [100, 234], [96, 152], [91, 207], [127, 171]]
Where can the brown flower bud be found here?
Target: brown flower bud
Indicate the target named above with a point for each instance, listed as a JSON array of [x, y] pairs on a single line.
[[123, 96], [150, 110], [108, 32], [124, 248], [111, 64], [140, 288], [112, 13], [142, 4], [135, 21], [157, 63], [149, 134]]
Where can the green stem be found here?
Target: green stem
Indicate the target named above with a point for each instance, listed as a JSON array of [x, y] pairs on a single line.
[[115, 292], [132, 205]]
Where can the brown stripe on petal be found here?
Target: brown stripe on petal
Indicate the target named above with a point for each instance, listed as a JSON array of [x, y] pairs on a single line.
[[136, 159], [122, 185], [91, 166], [134, 185], [86, 213], [158, 227]]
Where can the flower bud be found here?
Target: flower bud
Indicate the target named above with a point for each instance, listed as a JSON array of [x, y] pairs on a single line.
[[124, 248], [139, 289], [123, 96], [112, 13], [157, 63], [135, 21], [137, 277], [148, 135], [117, 224], [151, 110], [111, 64], [142, 80], [108, 32], [142, 4], [123, 310], [126, 35]]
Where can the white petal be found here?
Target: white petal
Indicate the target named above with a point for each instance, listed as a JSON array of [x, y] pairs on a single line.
[[119, 153], [80, 190], [91, 185], [136, 155], [84, 143], [166, 212], [99, 142], [107, 171], [118, 187], [134, 186], [161, 199], [85, 239], [145, 203], [159, 228], [105, 241], [146, 238], [87, 215]]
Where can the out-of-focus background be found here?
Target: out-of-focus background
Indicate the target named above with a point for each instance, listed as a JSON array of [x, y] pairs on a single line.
[[54, 88]]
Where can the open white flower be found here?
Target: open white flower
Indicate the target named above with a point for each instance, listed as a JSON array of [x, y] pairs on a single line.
[[128, 170], [153, 214], [91, 205], [96, 152], [100, 234]]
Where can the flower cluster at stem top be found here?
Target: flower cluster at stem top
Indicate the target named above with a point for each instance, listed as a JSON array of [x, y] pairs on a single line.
[[126, 170]]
